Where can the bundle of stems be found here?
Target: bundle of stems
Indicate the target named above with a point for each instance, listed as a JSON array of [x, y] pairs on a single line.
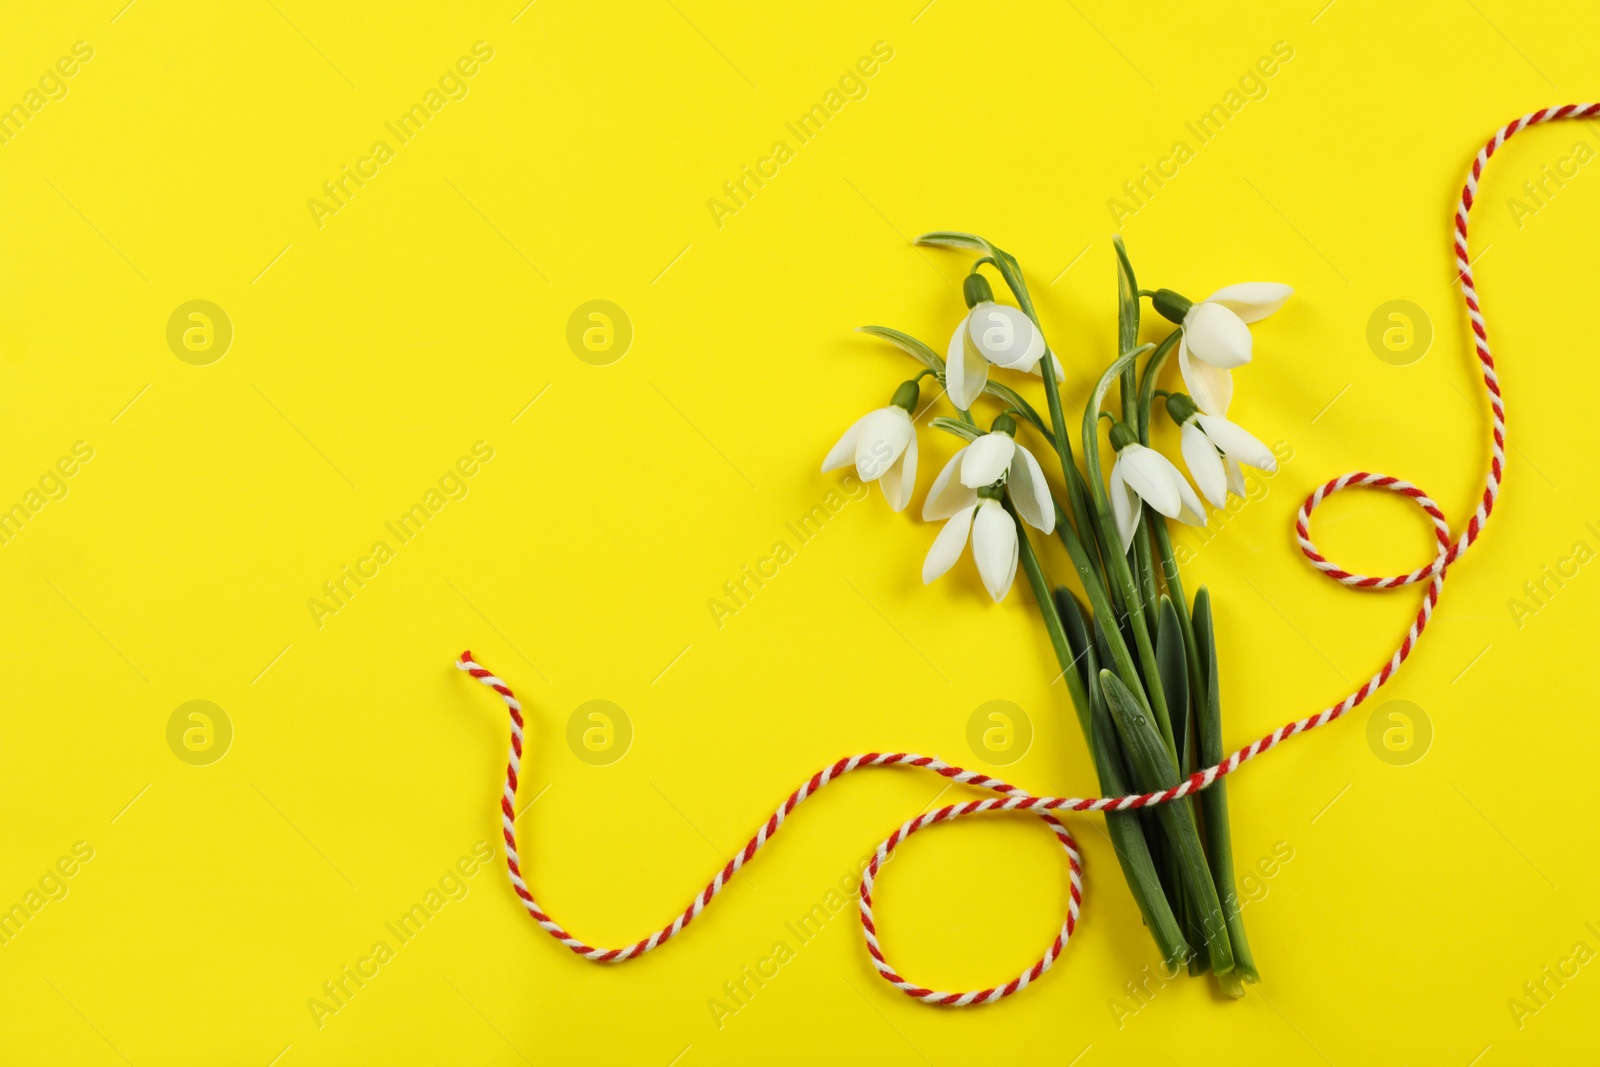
[[1138, 656]]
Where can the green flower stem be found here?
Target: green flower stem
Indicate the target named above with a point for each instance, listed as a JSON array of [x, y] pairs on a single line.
[[1077, 493], [1127, 337], [1169, 564], [1144, 570], [1127, 837], [1147, 383], [1011, 271], [1117, 565], [1127, 324], [1099, 598]]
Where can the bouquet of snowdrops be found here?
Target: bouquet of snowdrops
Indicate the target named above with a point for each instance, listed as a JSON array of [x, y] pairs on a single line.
[[1139, 659]]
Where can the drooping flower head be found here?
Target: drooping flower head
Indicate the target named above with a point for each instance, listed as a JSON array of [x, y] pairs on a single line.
[[994, 543], [990, 334], [883, 446], [967, 493], [1216, 337], [990, 458], [1213, 449], [1142, 473]]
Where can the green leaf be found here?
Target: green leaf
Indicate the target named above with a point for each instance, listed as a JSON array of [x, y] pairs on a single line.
[[1127, 299], [913, 347], [1091, 440], [1004, 261], [965, 431], [1153, 769], [1072, 613], [1209, 703], [1101, 643], [1214, 804], [1166, 858], [1174, 668], [956, 239]]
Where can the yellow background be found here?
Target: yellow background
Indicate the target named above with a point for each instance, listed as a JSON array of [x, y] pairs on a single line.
[[372, 352]]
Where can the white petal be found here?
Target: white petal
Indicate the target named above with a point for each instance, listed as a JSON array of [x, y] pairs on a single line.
[[1237, 442], [1236, 484], [1201, 457], [901, 477], [1191, 510], [1030, 493], [987, 459], [994, 547], [1153, 477], [1124, 506], [844, 453], [882, 436], [1211, 387], [1004, 335], [965, 371], [1035, 351], [947, 546], [948, 495], [1217, 336], [1251, 301]]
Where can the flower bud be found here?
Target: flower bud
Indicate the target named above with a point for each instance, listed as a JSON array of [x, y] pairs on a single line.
[[907, 396], [976, 290], [1172, 306], [1181, 407]]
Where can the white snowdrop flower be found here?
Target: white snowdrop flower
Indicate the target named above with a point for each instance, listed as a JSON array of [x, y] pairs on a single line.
[[989, 459], [1216, 337], [1142, 473], [883, 446], [994, 542], [990, 334], [1213, 449]]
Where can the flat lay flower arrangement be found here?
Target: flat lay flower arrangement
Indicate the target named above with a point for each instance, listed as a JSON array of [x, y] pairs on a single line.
[[1138, 655]]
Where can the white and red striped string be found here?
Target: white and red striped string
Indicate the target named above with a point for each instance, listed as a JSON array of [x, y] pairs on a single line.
[[1011, 798]]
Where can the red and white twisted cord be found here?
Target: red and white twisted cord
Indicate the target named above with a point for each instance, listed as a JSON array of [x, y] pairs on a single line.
[[1010, 797]]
